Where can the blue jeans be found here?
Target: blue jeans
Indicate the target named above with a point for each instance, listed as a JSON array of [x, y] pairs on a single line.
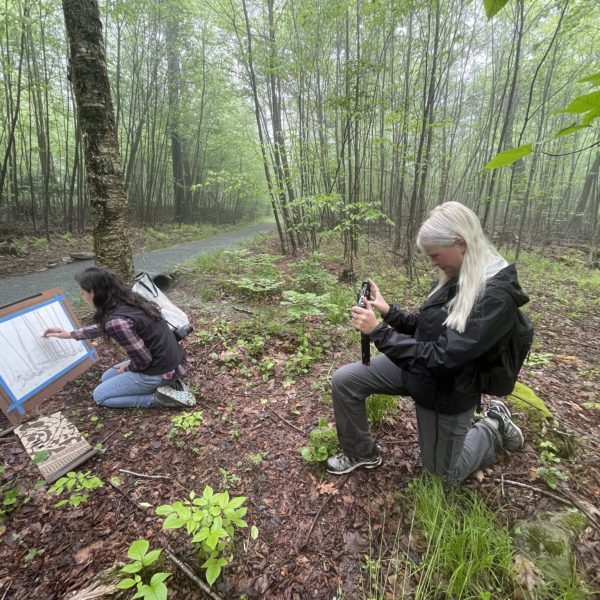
[[127, 390]]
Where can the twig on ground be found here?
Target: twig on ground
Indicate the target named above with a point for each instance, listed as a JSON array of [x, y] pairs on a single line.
[[243, 310], [190, 574], [286, 421], [108, 436], [312, 526], [6, 431], [533, 489], [144, 476], [7, 588], [569, 500]]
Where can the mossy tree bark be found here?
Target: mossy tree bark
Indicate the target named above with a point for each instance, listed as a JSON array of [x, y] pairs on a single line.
[[104, 168]]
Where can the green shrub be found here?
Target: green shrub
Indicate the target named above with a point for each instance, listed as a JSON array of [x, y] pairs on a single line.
[[323, 443], [210, 520]]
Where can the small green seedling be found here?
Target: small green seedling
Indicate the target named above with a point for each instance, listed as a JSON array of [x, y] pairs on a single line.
[[33, 552], [78, 485], [186, 422], [548, 472], [140, 558], [323, 443]]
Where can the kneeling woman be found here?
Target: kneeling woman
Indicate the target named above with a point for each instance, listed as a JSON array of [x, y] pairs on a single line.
[[137, 325]]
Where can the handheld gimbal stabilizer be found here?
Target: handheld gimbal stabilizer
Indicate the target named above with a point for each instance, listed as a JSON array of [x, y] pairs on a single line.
[[365, 342]]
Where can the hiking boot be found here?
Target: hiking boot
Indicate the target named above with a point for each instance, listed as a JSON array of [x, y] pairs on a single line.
[[176, 395], [340, 464], [512, 436]]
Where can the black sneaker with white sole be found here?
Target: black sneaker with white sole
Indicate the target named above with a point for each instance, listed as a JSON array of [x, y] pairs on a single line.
[[512, 436], [340, 464]]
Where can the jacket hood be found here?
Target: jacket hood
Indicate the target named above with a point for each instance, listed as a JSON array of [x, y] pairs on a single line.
[[506, 279]]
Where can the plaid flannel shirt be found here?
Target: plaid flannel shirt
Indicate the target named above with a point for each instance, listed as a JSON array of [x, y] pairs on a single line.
[[123, 331]]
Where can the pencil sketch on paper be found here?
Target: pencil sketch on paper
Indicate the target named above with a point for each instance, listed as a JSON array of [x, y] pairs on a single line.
[[27, 360]]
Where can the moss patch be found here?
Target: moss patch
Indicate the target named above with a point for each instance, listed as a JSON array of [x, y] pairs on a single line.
[[524, 400], [548, 542]]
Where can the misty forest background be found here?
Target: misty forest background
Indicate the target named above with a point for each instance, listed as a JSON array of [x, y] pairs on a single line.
[[333, 116]]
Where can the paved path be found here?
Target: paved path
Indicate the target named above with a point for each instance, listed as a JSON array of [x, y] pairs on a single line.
[[17, 288]]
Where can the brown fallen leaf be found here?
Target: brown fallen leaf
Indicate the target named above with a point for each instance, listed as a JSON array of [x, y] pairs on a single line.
[[328, 488], [527, 575], [83, 556], [478, 475]]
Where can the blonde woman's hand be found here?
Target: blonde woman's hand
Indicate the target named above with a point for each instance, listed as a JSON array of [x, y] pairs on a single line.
[[377, 300], [364, 319]]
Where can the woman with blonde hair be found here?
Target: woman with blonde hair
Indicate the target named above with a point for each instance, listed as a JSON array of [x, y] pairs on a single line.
[[432, 355]]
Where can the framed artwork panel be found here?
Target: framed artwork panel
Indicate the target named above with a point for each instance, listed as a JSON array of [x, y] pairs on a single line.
[[33, 368]]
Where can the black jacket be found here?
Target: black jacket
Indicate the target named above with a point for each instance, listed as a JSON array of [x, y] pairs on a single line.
[[440, 363], [159, 339]]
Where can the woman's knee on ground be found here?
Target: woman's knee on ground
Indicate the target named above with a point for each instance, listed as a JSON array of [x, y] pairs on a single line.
[[345, 379], [100, 395]]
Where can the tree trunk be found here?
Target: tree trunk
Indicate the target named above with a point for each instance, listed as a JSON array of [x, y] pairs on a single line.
[[97, 122]]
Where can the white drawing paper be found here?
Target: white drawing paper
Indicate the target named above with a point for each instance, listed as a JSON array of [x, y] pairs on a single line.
[[29, 361]]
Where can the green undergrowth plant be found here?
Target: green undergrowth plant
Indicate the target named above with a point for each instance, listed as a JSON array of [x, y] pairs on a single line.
[[211, 521], [256, 287], [380, 406], [460, 551], [310, 349], [11, 499], [323, 443], [78, 485], [538, 359], [549, 471], [254, 275], [139, 561], [300, 305], [310, 276], [186, 422]]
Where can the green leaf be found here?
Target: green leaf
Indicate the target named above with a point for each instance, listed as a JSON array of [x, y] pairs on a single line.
[[508, 157], [595, 79], [493, 7], [587, 119], [133, 567], [164, 509], [173, 521], [213, 539], [201, 535], [159, 577], [584, 103], [236, 502], [254, 532], [138, 550], [125, 584], [151, 557], [213, 569], [569, 130], [158, 588]]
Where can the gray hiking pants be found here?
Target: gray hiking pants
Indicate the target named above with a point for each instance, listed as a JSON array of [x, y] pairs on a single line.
[[451, 446]]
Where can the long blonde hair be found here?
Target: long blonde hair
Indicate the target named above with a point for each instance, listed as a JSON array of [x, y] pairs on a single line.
[[447, 224]]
